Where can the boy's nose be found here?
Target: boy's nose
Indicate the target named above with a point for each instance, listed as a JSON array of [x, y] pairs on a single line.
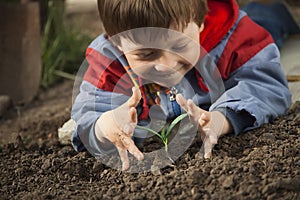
[[163, 68], [167, 62]]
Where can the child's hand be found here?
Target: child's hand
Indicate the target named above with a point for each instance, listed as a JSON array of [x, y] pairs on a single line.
[[117, 126], [211, 124]]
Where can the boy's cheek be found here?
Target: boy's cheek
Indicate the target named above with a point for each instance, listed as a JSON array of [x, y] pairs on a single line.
[[140, 71], [193, 55]]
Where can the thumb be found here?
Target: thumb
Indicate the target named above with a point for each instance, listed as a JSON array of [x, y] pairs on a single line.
[[204, 119], [182, 102], [129, 127], [135, 97], [193, 110], [133, 115]]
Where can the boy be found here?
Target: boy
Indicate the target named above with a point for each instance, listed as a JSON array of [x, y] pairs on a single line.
[[167, 58]]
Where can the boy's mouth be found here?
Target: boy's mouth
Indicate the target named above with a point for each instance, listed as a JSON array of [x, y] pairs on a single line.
[[172, 71], [168, 78]]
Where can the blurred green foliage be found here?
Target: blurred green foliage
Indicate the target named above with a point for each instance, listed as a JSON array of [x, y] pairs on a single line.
[[63, 49]]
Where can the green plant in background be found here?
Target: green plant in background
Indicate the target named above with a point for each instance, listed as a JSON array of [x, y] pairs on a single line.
[[63, 50], [165, 132]]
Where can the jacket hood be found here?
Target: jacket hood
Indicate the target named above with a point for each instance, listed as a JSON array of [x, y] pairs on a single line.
[[220, 19]]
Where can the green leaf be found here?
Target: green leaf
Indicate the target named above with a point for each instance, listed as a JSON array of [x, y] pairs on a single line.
[[150, 130], [174, 122], [162, 133]]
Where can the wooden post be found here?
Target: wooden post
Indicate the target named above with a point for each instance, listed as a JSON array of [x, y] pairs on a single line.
[[20, 51]]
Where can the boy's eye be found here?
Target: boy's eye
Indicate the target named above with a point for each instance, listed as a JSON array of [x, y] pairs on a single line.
[[179, 47], [146, 54]]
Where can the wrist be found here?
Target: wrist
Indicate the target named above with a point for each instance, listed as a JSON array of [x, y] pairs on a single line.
[[239, 120], [224, 125], [99, 133]]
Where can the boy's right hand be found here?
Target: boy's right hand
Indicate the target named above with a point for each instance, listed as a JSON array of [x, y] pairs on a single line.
[[117, 126]]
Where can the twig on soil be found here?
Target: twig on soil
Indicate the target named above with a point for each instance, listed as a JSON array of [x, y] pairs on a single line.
[[293, 78]]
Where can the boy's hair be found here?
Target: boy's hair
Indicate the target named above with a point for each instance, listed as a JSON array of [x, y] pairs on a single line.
[[122, 15]]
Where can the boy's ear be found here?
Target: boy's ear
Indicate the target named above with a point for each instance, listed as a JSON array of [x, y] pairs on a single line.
[[201, 28], [106, 36], [118, 46]]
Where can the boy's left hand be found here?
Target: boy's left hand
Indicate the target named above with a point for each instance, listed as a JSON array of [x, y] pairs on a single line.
[[211, 124]]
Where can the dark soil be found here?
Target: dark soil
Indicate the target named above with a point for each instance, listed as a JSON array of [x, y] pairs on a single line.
[[260, 164]]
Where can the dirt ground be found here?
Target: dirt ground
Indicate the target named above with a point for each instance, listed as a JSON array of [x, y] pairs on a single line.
[[260, 164]]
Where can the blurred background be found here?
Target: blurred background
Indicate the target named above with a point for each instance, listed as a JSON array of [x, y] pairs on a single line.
[[43, 42]]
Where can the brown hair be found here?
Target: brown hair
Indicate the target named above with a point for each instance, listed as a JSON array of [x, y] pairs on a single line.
[[122, 15]]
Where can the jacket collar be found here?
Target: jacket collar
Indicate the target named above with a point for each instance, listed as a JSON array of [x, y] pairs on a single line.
[[220, 19]]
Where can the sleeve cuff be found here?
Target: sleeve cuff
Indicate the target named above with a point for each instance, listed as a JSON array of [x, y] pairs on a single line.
[[95, 144], [239, 120]]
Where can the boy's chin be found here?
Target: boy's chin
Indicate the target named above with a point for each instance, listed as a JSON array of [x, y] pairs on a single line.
[[169, 83]]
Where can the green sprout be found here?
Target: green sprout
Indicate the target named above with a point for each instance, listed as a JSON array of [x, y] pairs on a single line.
[[165, 132]]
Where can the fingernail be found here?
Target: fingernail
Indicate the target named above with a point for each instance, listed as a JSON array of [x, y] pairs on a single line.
[[207, 155], [133, 89], [124, 167], [140, 156]]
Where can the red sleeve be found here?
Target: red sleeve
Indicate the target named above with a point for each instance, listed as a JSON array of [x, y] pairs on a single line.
[[106, 74], [110, 75], [245, 42]]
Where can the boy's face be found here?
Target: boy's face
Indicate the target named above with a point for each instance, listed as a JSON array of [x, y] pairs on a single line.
[[163, 59]]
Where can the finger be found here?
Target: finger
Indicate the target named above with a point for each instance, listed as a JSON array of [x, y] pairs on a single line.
[[207, 148], [202, 134], [213, 139], [135, 97], [130, 146], [124, 158], [194, 110], [210, 136], [133, 115], [208, 154], [204, 119], [129, 127], [202, 151], [182, 102]]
